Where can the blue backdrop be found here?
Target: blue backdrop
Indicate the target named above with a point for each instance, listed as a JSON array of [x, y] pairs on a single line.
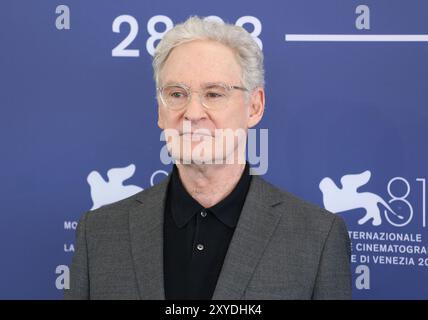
[[76, 97]]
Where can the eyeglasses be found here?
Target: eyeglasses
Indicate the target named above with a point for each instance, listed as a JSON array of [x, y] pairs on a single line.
[[212, 96]]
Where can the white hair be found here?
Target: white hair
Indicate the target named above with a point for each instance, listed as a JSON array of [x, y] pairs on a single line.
[[247, 52]]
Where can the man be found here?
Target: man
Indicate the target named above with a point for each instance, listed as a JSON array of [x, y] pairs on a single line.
[[210, 230]]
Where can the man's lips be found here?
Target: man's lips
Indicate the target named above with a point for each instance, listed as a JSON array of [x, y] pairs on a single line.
[[195, 134]]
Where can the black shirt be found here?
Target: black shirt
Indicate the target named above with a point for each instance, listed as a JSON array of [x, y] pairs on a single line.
[[196, 239]]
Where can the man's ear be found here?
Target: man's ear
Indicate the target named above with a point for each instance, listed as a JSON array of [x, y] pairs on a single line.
[[257, 106], [160, 118]]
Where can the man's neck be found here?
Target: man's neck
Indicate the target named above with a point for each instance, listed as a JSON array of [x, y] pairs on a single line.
[[210, 183]]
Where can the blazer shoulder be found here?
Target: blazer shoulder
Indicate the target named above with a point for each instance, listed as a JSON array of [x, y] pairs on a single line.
[[115, 215], [294, 207]]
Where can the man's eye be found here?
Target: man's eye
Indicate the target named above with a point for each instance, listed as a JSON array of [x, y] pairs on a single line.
[[177, 95], [213, 95]]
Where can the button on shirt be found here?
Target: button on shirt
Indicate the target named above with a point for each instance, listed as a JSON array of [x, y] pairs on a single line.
[[196, 239]]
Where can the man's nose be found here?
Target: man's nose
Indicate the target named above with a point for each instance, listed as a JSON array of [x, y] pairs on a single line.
[[195, 110]]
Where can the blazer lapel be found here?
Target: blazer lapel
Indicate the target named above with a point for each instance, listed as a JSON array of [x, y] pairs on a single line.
[[146, 230], [255, 227]]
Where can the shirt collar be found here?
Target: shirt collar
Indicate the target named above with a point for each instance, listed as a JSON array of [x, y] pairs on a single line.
[[228, 210]]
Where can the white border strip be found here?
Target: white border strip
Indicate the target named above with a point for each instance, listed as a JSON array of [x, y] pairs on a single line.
[[358, 37]]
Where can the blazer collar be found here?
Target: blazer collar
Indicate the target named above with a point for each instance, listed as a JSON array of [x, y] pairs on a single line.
[[259, 218], [146, 232]]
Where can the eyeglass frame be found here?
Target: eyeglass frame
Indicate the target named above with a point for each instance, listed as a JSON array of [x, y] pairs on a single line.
[[228, 87]]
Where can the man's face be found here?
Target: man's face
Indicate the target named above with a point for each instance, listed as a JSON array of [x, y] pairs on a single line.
[[195, 64]]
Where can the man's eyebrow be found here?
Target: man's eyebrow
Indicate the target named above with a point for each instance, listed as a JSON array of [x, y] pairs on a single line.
[[204, 84], [168, 83], [211, 84]]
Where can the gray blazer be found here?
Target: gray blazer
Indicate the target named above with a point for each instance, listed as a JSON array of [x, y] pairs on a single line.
[[282, 248]]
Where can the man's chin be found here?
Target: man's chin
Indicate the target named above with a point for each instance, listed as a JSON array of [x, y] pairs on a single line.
[[206, 160], [196, 160]]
